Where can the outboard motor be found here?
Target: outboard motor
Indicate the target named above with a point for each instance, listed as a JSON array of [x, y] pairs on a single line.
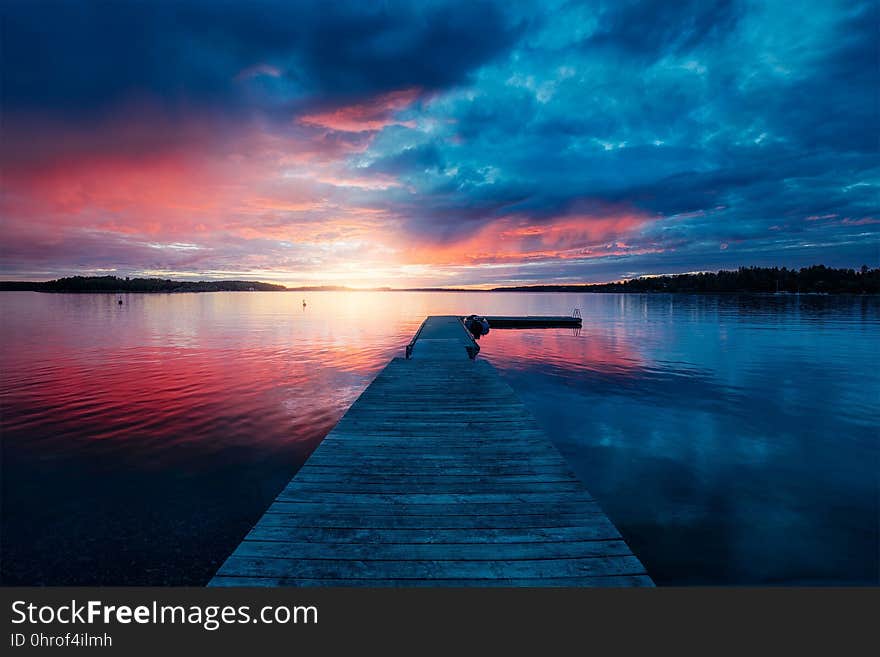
[[478, 326]]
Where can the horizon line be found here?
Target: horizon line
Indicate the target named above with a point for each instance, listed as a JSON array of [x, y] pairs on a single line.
[[476, 288]]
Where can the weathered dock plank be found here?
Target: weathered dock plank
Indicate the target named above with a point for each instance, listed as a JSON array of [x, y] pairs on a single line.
[[597, 531], [619, 581], [442, 337], [436, 476], [404, 569], [396, 520], [424, 551]]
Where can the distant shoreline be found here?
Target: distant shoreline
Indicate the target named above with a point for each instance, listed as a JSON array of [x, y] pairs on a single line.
[[817, 279], [455, 290], [447, 290]]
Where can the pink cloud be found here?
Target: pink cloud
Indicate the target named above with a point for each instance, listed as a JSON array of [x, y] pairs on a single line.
[[864, 221], [845, 221], [517, 238], [258, 70], [213, 198], [370, 115]]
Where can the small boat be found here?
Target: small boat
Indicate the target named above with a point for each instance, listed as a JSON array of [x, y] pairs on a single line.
[[477, 325]]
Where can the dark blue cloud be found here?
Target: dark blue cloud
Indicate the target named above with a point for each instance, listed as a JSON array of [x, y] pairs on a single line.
[[733, 124], [64, 56], [418, 158], [652, 28]]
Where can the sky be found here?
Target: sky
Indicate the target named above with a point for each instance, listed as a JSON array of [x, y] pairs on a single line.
[[439, 143]]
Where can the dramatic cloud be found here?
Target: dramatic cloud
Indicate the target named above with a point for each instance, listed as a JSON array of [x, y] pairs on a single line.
[[372, 114], [436, 143]]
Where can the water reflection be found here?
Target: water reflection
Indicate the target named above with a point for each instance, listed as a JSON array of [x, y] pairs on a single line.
[[732, 439]]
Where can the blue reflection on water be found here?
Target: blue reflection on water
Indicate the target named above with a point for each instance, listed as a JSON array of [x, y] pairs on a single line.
[[731, 439]]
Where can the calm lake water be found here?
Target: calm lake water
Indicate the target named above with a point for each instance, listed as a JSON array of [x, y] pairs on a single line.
[[733, 440]]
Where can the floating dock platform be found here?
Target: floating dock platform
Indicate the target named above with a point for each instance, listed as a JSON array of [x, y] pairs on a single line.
[[531, 321], [436, 476]]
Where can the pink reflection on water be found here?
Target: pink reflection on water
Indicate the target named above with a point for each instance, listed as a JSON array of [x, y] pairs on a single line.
[[162, 371], [227, 370], [592, 348]]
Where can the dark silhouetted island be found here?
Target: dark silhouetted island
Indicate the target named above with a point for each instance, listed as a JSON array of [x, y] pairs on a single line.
[[115, 284], [817, 279]]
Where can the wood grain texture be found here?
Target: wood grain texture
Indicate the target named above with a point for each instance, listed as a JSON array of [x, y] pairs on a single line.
[[436, 476]]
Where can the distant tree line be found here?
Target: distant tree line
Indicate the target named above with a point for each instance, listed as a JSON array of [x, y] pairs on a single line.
[[817, 278], [115, 284]]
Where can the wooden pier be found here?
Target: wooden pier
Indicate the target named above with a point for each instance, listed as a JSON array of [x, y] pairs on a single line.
[[531, 321], [436, 476]]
